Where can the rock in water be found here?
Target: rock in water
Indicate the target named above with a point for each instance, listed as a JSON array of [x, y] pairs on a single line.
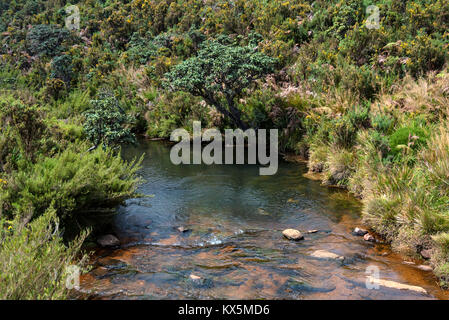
[[359, 232], [183, 229], [368, 237], [424, 267], [323, 254], [108, 240], [194, 277], [397, 285], [292, 234]]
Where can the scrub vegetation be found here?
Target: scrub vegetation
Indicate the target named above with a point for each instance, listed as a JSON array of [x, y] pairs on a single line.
[[367, 108]]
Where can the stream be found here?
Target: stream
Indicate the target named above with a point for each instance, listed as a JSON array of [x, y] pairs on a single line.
[[231, 245]]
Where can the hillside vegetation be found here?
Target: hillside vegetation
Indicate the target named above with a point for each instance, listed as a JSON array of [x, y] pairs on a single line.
[[366, 107]]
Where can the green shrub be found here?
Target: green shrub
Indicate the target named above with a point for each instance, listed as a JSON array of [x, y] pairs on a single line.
[[407, 138], [105, 122], [383, 123], [34, 261], [46, 39], [74, 182]]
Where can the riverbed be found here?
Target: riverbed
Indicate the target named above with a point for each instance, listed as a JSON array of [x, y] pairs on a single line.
[[215, 232]]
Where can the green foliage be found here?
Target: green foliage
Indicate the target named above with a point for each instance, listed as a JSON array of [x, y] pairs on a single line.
[[74, 182], [46, 40], [105, 122], [34, 261], [23, 127], [406, 138], [221, 71], [61, 68]]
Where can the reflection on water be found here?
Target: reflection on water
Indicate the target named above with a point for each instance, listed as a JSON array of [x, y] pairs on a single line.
[[232, 240]]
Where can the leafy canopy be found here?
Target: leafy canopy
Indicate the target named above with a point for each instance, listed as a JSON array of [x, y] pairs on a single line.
[[219, 73], [105, 122]]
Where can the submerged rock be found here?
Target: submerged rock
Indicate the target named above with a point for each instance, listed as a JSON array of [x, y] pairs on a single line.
[[292, 234], [368, 237], [359, 232], [424, 267], [108, 240], [397, 285], [323, 254]]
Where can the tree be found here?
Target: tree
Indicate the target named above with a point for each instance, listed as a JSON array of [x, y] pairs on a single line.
[[219, 74], [105, 122]]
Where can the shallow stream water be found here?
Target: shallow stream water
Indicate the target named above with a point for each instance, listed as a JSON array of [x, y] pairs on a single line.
[[233, 239]]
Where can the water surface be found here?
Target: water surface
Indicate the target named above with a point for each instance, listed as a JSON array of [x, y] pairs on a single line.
[[234, 241]]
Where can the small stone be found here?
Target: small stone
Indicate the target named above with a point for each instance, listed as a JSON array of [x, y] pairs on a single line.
[[292, 234], [108, 240], [183, 229], [194, 277], [359, 232], [312, 231], [323, 254], [368, 237], [426, 254], [424, 267]]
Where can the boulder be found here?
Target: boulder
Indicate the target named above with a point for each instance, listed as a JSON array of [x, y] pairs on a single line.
[[359, 232], [292, 234], [108, 240]]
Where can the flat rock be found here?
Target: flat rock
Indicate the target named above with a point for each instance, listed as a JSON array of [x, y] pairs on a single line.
[[424, 267], [368, 237], [292, 234], [108, 240], [312, 231], [397, 285], [359, 232], [323, 254]]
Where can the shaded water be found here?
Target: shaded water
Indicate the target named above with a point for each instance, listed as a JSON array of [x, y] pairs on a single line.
[[234, 244]]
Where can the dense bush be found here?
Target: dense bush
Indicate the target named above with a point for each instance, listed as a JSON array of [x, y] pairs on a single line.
[[34, 261], [105, 122], [74, 182]]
